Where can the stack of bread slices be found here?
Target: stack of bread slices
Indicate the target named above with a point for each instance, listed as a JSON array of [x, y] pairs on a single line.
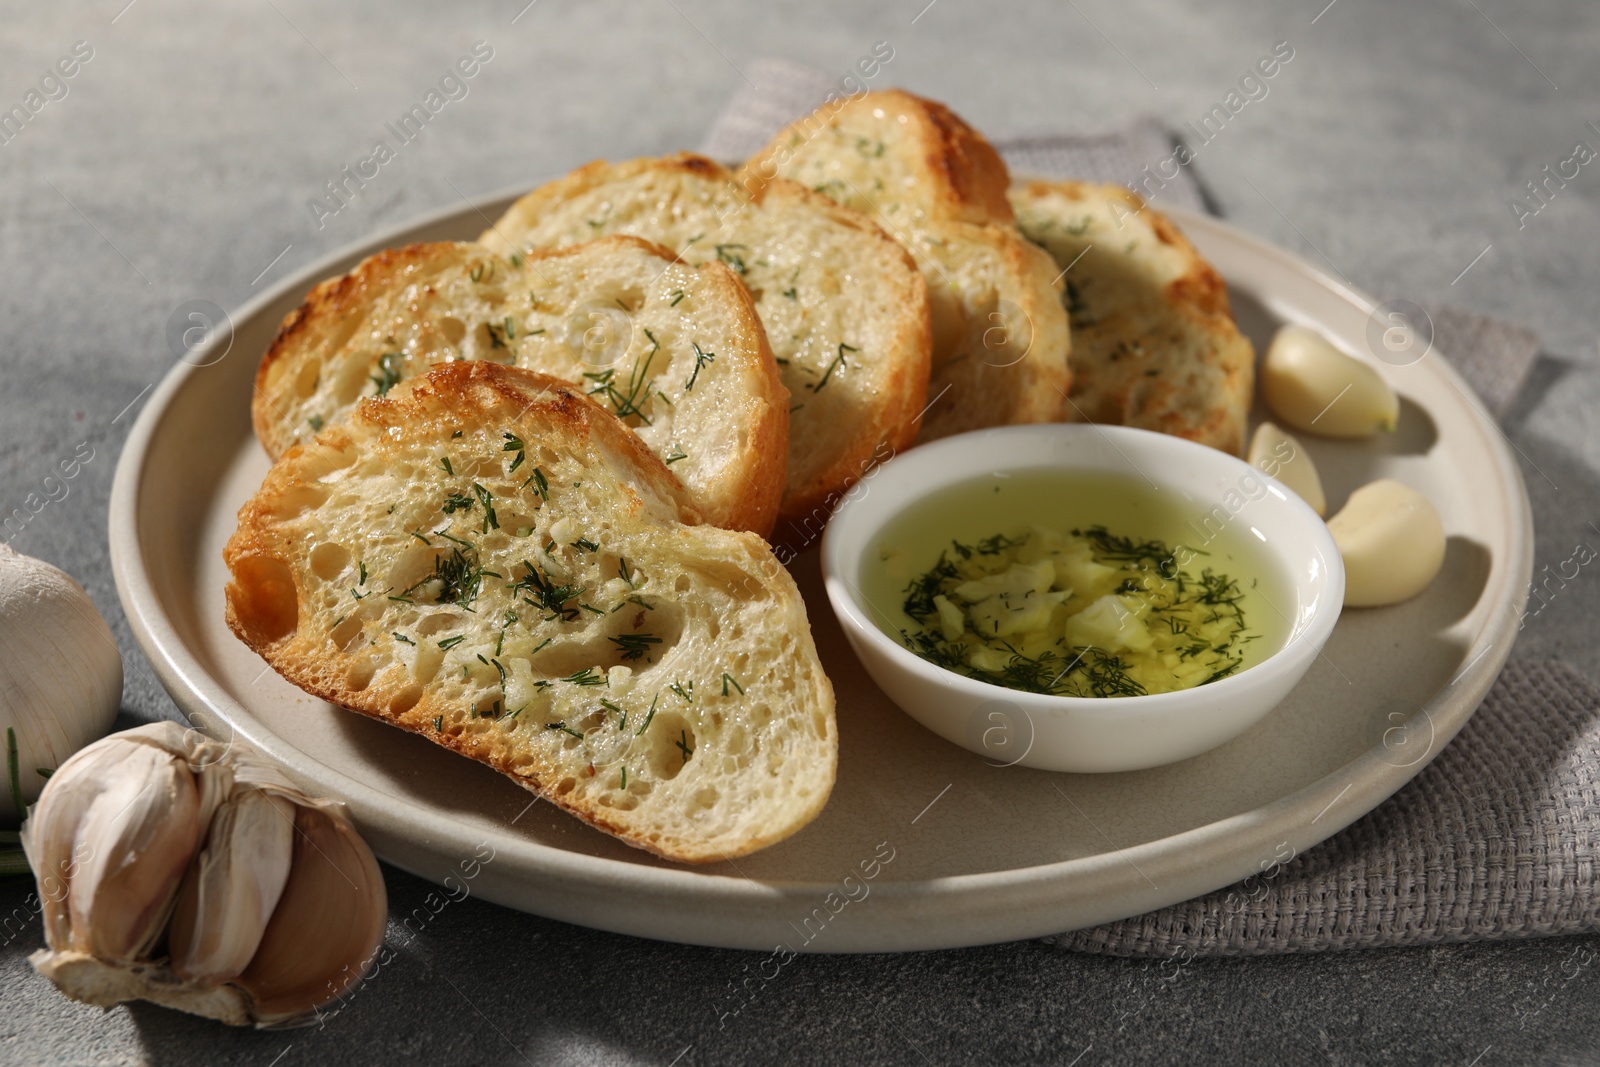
[[524, 487]]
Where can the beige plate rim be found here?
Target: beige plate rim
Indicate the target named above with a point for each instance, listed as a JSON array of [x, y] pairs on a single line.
[[671, 903]]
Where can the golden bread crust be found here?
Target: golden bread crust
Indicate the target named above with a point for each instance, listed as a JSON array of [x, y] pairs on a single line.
[[1154, 341], [825, 280], [1001, 341], [654, 318], [322, 588], [954, 173]]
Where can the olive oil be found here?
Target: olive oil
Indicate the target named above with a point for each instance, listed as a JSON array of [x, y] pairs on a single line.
[[963, 579]]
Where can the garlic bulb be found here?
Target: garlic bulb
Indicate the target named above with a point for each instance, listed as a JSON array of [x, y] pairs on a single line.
[[1282, 457], [267, 903], [1392, 541], [60, 676], [1314, 387]]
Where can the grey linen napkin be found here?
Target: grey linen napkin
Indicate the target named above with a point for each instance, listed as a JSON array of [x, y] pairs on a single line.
[[780, 91], [1496, 837]]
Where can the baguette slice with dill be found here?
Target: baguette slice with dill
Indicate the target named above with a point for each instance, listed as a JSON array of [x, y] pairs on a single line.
[[845, 310], [675, 351], [553, 611], [1154, 344], [1000, 337]]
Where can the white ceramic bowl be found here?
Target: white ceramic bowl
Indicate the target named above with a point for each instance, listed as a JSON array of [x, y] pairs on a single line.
[[1089, 733]]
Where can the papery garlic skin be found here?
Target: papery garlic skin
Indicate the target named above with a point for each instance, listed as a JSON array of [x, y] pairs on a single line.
[[137, 837], [1314, 387], [269, 902], [1392, 541], [232, 888], [112, 836], [60, 675], [318, 946]]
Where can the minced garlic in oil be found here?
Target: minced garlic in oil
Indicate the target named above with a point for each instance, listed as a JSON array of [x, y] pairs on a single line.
[[1057, 603], [1085, 613]]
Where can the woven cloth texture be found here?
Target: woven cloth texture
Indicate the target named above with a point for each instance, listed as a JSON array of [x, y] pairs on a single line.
[[1495, 838], [779, 91], [1494, 356]]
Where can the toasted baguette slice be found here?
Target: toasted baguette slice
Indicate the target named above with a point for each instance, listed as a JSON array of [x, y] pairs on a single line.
[[1000, 337], [845, 309], [677, 352], [891, 151], [654, 677], [1154, 343]]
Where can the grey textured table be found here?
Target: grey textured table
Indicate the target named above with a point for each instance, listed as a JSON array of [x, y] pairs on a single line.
[[179, 164]]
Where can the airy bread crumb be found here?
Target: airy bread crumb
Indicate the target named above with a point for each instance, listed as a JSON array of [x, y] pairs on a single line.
[[488, 558]]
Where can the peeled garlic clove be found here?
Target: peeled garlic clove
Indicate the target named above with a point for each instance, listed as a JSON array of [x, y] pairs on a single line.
[[231, 890], [1392, 541], [60, 677], [328, 924], [1314, 387], [1280, 456]]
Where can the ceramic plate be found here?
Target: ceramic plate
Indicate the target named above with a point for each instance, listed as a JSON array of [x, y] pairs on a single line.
[[923, 844]]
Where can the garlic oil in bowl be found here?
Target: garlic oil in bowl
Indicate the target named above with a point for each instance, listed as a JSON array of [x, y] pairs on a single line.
[[1073, 583], [1116, 598]]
